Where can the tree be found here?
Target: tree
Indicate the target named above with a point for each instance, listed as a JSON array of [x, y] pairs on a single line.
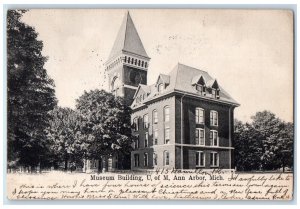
[[266, 143], [247, 146], [106, 124], [66, 144], [30, 93]]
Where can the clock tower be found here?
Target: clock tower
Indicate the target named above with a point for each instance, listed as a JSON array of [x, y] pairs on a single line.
[[128, 62]]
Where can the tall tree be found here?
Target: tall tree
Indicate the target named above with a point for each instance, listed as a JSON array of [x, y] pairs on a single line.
[[106, 124], [66, 144], [30, 93]]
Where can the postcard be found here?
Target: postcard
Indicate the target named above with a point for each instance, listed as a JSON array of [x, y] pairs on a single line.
[[152, 104]]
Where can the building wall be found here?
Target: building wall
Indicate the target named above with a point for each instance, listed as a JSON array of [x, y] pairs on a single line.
[[225, 123], [161, 146]]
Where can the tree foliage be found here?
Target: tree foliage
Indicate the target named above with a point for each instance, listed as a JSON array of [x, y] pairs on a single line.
[[30, 93], [64, 134], [106, 124], [266, 143]]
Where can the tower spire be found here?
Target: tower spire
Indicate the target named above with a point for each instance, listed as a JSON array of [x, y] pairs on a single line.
[[128, 40]]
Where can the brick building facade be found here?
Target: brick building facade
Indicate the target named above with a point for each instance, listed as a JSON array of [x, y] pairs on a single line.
[[184, 120]]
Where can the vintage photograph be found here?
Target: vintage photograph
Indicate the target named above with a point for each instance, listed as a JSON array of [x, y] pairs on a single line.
[[158, 104]]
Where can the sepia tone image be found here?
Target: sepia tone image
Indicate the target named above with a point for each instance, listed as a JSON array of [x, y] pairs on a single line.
[[158, 104]]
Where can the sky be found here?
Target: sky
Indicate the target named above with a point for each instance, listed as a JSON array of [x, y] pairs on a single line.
[[249, 52]]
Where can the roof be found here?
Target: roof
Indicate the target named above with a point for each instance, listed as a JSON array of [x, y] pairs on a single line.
[[128, 40], [181, 79]]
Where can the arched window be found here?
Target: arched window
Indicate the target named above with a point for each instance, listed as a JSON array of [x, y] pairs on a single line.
[[142, 63], [128, 59], [155, 116], [135, 61], [125, 59], [166, 158], [145, 159], [115, 86], [139, 63], [166, 113], [132, 60], [154, 159]]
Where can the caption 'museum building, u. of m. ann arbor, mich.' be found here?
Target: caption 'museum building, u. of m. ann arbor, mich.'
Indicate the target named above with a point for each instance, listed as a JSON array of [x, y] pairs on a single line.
[[184, 120]]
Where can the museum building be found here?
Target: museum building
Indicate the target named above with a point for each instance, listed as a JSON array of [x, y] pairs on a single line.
[[184, 120]]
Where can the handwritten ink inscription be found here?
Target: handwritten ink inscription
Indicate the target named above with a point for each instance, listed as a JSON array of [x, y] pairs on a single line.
[[161, 184]]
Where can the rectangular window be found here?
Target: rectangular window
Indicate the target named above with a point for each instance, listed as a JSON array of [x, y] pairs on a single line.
[[213, 93], [200, 136], [213, 118], [199, 113], [135, 124], [136, 160], [214, 159], [167, 114], [145, 121], [146, 139], [213, 138], [166, 158], [136, 143], [155, 136], [167, 135], [200, 159], [145, 159], [154, 159], [155, 117]]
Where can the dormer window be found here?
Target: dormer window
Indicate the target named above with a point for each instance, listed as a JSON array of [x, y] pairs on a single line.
[[213, 93], [200, 89], [160, 88]]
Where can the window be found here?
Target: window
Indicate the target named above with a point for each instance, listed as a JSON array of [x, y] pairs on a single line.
[[213, 137], [214, 159], [155, 116], [139, 63], [167, 135], [160, 88], [167, 114], [137, 143], [115, 85], [136, 160], [145, 64], [154, 159], [155, 136], [200, 89], [132, 60], [199, 113], [166, 158], [200, 136], [146, 139], [145, 159], [135, 124], [213, 118], [213, 93], [125, 59], [135, 61], [142, 63], [145, 121], [128, 59], [200, 159]]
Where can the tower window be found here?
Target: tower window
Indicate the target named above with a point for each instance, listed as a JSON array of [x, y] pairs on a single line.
[[145, 64], [142, 63], [132, 60], [125, 59], [137, 143], [135, 61], [146, 139], [139, 63], [128, 59]]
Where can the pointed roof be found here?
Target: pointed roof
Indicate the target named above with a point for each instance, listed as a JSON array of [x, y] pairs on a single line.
[[128, 39]]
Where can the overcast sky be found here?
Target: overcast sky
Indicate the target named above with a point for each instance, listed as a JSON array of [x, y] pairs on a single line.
[[249, 52]]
